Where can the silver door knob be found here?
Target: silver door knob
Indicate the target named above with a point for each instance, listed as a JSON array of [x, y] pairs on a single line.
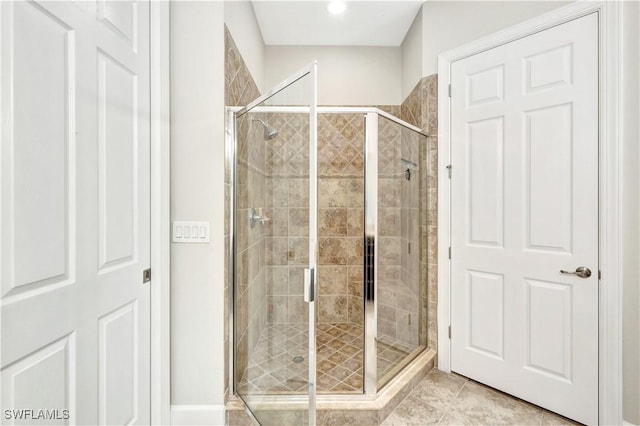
[[581, 271]]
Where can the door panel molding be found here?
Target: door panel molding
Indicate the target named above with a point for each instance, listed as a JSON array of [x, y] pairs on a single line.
[[71, 18], [610, 162]]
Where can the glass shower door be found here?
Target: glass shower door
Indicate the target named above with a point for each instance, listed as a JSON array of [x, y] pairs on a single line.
[[275, 252], [401, 321]]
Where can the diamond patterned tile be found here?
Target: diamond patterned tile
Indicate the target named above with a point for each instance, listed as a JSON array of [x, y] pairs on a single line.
[[272, 369], [240, 88], [340, 145]]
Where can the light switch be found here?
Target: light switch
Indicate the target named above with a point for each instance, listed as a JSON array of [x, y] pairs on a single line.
[[190, 232]]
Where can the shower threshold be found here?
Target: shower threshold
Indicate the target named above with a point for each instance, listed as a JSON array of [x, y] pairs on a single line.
[[337, 408]]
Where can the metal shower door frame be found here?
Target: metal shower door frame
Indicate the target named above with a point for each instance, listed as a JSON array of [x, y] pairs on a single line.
[[310, 70], [371, 116], [370, 253]]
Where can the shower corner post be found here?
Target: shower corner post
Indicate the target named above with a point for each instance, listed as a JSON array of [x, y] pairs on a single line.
[[230, 152], [370, 252], [313, 237]]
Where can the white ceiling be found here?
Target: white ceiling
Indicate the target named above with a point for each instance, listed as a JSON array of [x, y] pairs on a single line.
[[309, 23]]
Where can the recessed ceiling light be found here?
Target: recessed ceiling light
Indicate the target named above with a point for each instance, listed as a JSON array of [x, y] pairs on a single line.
[[337, 7]]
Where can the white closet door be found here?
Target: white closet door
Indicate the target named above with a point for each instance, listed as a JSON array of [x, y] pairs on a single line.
[[524, 207], [75, 210]]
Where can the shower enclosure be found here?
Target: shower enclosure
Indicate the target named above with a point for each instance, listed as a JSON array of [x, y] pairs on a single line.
[[329, 297]]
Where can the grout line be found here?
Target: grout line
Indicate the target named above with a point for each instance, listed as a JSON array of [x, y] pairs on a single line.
[[446, 411]]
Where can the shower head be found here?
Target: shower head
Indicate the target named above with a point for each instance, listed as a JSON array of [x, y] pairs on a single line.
[[269, 132]]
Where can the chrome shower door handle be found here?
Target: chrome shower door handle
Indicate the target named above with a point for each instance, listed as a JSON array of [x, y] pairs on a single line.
[[581, 271], [309, 285]]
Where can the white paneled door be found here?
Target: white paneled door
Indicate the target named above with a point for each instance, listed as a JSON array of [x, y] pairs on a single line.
[[75, 212], [524, 149]]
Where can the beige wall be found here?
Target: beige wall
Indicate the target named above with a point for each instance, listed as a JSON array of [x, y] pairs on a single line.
[[444, 25], [346, 75], [449, 24], [411, 50], [241, 21], [197, 192], [631, 213]]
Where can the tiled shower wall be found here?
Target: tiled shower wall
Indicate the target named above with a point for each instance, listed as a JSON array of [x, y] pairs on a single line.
[[340, 217], [410, 216], [399, 245], [287, 207], [420, 108], [240, 89], [341, 139]]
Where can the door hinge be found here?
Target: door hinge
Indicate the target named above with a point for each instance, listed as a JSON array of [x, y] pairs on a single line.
[[449, 167], [599, 274], [449, 332], [449, 252], [146, 275], [449, 89]]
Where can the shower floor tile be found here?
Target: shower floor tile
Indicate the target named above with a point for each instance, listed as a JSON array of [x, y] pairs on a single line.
[[275, 365], [388, 357], [279, 361]]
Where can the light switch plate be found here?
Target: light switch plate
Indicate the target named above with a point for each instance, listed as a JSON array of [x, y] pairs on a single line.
[[190, 232]]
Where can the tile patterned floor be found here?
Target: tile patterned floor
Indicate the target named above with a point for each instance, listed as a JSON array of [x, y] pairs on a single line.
[[449, 399], [339, 348], [272, 368], [388, 357]]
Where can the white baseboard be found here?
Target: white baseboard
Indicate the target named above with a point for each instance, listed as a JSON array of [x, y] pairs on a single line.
[[197, 415], [626, 423]]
